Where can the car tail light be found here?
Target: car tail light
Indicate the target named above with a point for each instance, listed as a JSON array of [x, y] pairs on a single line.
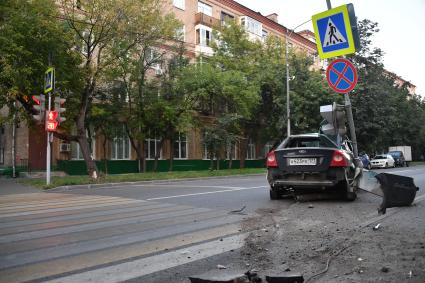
[[339, 159], [271, 159]]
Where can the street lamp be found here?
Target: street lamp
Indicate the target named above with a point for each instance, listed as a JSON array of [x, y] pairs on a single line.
[[288, 110]]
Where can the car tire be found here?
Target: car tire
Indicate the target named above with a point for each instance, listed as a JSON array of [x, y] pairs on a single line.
[[350, 196], [386, 165], [274, 195], [369, 166]]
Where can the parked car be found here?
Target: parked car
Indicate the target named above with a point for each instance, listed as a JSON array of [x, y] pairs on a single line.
[[310, 163], [382, 161], [398, 157], [365, 160]]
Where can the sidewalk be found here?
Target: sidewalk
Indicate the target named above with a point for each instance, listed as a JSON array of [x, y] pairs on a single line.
[[10, 186]]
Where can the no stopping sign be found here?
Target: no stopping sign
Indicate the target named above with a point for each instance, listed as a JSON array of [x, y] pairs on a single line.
[[341, 75]]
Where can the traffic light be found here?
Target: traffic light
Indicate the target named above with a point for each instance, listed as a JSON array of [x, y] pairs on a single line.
[[51, 122], [59, 103], [39, 107], [334, 115]]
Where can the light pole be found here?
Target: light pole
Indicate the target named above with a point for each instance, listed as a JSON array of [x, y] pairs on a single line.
[[288, 109]]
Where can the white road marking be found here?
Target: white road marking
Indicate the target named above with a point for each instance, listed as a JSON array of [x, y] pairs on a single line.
[[231, 189], [148, 265]]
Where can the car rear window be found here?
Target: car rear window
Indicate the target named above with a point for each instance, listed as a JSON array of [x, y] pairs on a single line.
[[395, 153], [380, 157], [309, 142]]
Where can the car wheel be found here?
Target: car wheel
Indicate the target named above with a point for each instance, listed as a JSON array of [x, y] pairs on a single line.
[[386, 165], [369, 166], [350, 196], [274, 195]]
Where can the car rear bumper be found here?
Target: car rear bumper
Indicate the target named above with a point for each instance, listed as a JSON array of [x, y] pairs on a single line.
[[377, 165], [305, 183], [319, 180]]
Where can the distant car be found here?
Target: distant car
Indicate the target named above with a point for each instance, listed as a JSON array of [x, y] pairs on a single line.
[[365, 161], [310, 163], [382, 161], [398, 158]]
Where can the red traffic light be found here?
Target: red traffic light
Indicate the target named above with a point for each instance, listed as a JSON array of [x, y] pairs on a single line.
[[35, 99], [51, 123], [52, 115], [51, 126]]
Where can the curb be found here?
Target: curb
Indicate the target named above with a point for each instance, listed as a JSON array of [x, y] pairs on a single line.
[[114, 185]]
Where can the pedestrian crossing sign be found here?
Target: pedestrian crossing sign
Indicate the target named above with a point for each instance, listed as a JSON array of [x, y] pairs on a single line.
[[334, 31]]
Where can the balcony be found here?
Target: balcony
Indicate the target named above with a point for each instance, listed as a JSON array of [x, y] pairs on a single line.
[[201, 18]]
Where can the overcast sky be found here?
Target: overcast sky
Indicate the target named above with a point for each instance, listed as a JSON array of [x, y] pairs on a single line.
[[401, 24]]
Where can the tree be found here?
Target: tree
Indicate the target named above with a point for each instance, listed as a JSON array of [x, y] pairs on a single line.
[[385, 113], [137, 54], [31, 31]]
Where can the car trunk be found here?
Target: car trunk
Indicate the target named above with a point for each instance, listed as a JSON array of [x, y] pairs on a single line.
[[300, 160]]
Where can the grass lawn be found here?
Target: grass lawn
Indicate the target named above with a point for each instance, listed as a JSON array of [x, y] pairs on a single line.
[[134, 177]]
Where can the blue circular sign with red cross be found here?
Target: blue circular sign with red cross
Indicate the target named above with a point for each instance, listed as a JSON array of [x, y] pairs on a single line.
[[341, 75]]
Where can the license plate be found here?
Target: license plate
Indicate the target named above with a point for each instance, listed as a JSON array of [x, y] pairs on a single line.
[[302, 161]]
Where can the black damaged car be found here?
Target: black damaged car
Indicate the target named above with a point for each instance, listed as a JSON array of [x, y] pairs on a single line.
[[311, 163]]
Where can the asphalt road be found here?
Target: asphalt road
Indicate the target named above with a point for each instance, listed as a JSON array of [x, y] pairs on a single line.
[[158, 232]]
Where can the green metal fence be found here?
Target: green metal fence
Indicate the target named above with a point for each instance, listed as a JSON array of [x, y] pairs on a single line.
[[78, 167]]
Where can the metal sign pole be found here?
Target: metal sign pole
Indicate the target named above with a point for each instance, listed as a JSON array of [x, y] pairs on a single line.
[[351, 124], [48, 158]]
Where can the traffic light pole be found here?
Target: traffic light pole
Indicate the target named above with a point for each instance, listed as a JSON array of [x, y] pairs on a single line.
[[349, 111], [49, 151]]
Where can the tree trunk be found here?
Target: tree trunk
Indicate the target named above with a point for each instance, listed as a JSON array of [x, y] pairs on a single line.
[[105, 160], [231, 157], [158, 155], [140, 151], [170, 168], [211, 161], [85, 149], [244, 146]]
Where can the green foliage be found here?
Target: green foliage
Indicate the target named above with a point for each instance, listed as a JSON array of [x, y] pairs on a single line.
[[30, 30], [385, 114]]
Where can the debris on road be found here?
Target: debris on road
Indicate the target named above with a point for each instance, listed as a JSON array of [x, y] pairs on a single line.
[[310, 206], [289, 277], [385, 269], [376, 227], [219, 266], [238, 210], [215, 276]]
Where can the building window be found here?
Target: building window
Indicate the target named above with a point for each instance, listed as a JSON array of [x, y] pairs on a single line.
[[154, 59], [120, 148], [204, 9], [151, 148], [180, 146], [77, 154], [264, 35], [252, 25], [86, 42], [250, 151], [203, 36], [180, 33], [179, 4], [224, 17], [232, 151]]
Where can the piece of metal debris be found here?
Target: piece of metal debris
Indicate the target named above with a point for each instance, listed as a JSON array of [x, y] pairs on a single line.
[[376, 227], [219, 266], [238, 210]]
